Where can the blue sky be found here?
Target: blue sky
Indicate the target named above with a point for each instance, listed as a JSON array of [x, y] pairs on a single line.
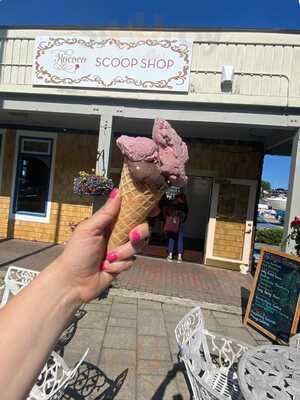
[[276, 171], [197, 13], [260, 14]]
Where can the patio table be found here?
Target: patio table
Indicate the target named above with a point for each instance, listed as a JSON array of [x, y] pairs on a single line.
[[270, 372]]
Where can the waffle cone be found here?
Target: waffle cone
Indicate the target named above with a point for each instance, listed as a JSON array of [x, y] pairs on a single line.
[[137, 201]]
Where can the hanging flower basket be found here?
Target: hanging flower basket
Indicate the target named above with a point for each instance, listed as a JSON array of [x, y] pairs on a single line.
[[92, 184]]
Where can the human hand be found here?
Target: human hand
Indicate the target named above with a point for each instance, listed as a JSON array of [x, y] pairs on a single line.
[[83, 259]]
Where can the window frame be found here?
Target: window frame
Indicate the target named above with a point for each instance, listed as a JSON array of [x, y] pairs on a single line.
[[30, 216]]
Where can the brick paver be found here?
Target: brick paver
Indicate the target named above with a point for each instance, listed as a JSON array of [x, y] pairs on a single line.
[[129, 348], [186, 280]]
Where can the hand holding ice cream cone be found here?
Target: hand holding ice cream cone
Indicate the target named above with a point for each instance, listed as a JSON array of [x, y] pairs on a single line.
[[150, 165]]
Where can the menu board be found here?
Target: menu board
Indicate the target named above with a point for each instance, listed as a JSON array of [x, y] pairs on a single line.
[[274, 302]]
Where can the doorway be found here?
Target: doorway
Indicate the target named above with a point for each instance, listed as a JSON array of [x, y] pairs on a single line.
[[198, 195]]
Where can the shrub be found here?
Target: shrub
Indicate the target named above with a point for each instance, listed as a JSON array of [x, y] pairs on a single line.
[[269, 235]]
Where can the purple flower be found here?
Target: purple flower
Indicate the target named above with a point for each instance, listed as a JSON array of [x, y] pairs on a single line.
[[92, 184]]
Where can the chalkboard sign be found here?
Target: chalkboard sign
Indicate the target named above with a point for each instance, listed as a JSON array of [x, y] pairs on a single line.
[[274, 303]]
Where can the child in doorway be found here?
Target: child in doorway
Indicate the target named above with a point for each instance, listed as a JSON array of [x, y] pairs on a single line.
[[176, 215]]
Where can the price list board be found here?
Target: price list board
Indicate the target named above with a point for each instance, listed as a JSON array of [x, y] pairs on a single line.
[[274, 303]]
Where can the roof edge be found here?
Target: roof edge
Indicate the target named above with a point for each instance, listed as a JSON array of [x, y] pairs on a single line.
[[149, 29]]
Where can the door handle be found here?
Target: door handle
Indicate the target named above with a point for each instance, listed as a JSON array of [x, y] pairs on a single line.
[[249, 231]]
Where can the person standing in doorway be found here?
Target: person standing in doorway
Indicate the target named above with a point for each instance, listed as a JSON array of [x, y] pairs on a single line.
[[176, 214]]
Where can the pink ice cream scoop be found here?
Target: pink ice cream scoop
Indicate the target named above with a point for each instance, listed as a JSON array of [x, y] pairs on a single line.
[[138, 148], [172, 151]]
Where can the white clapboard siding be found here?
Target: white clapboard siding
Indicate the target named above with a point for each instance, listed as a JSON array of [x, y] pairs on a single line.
[[16, 61], [262, 66], [260, 70]]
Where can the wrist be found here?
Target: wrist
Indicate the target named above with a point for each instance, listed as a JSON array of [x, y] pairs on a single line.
[[66, 289]]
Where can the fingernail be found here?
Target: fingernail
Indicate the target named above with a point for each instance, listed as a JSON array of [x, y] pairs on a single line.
[[112, 256], [101, 266], [113, 193], [135, 236], [104, 265]]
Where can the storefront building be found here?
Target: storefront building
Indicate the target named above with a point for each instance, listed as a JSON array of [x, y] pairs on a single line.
[[65, 95]]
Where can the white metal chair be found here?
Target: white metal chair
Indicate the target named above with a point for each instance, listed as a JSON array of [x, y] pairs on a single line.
[[210, 359], [54, 378], [16, 279], [56, 375], [295, 342]]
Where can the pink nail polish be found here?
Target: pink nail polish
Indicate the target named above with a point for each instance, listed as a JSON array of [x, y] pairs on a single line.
[[101, 266], [135, 236], [112, 256], [104, 265], [113, 193]]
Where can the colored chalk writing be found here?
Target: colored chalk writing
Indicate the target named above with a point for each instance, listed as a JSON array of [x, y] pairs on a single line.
[[274, 303]]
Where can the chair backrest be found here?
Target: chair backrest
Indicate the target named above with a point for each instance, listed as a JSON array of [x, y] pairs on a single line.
[[191, 338], [16, 279], [54, 378], [190, 323], [295, 342]]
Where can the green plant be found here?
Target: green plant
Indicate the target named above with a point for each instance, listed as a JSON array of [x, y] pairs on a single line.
[[266, 186], [269, 235]]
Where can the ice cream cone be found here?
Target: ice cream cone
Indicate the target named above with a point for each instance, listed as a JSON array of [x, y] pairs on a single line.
[[137, 201]]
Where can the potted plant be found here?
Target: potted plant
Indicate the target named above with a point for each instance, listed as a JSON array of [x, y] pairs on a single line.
[[92, 184]]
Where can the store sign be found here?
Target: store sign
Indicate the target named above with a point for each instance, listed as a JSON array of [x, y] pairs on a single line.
[[113, 63]]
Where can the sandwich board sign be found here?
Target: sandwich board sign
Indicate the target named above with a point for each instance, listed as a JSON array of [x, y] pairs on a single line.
[[274, 303]]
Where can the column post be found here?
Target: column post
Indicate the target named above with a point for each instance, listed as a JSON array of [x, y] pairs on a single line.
[[103, 153], [104, 144], [293, 201]]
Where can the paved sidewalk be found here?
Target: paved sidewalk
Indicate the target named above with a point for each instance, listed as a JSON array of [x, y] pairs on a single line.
[[187, 280], [133, 352], [152, 275]]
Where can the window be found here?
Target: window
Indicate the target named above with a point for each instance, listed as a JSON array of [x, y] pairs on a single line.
[[33, 176]]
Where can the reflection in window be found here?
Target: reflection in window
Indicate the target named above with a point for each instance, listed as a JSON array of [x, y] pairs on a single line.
[[233, 202], [33, 178]]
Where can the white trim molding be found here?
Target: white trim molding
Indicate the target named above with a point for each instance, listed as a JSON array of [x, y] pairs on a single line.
[[28, 217]]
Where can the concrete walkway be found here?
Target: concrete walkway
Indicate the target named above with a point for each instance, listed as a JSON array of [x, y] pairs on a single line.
[[133, 352]]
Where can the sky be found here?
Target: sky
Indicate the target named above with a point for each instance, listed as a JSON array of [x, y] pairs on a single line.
[[259, 14], [262, 14], [276, 171]]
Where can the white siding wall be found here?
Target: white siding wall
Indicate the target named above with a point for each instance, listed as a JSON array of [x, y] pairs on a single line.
[[266, 67], [16, 64], [260, 70]]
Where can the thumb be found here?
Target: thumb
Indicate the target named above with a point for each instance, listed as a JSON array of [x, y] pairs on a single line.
[[107, 214]]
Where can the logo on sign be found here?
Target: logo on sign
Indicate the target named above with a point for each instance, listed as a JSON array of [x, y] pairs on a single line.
[[66, 60]]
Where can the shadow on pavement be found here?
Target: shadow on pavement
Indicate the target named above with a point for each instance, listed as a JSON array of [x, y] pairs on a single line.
[[69, 332], [160, 392], [26, 255], [245, 293], [91, 383]]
